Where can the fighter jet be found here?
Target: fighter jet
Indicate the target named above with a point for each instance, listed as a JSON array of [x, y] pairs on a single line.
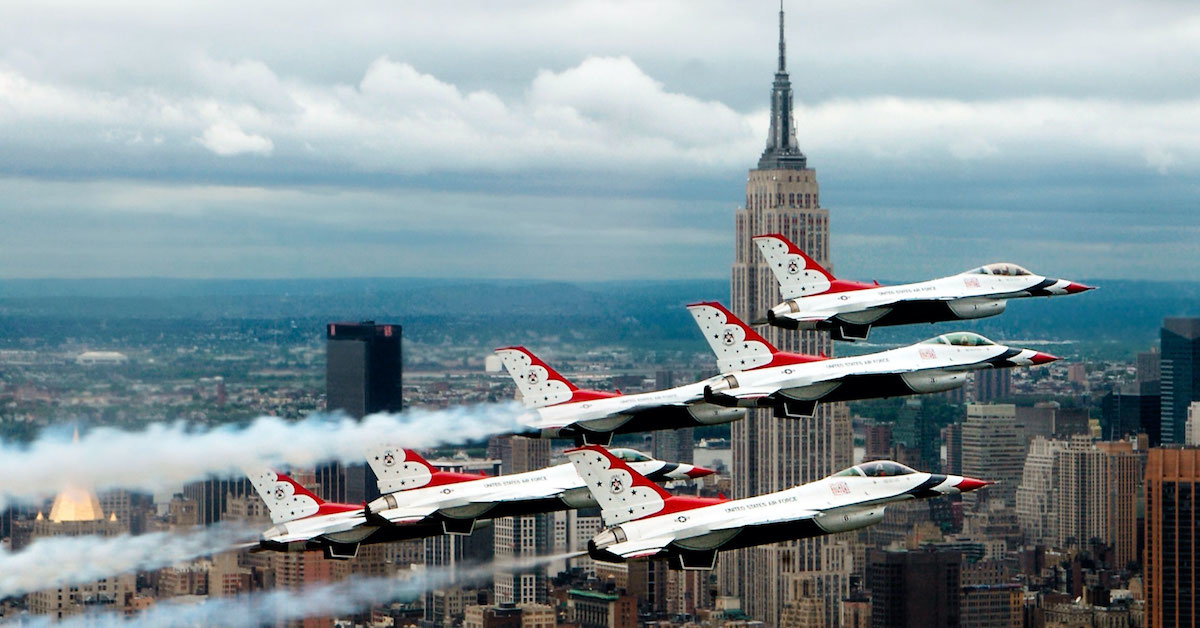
[[415, 489], [642, 520], [304, 521], [755, 374], [559, 409], [814, 299]]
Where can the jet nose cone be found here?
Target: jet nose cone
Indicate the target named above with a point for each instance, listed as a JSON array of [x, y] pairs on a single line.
[[1043, 358], [699, 472], [970, 484], [1074, 288]]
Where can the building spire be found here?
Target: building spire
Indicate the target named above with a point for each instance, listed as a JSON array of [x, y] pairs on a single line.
[[782, 46], [783, 151]]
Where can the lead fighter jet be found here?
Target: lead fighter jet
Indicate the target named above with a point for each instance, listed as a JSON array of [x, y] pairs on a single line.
[[642, 520], [755, 374], [814, 299], [559, 409], [415, 490]]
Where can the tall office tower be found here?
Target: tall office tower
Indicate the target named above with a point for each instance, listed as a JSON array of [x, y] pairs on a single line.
[[770, 454], [1180, 369], [210, 496], [675, 445], [1172, 537], [992, 385], [914, 588], [1192, 431], [1149, 372], [916, 437], [952, 439], [363, 375], [993, 448], [1125, 412], [525, 536], [1073, 491]]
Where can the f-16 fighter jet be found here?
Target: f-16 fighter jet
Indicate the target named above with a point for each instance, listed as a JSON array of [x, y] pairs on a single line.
[[304, 521], [416, 490], [756, 375], [643, 520], [559, 409], [814, 299]]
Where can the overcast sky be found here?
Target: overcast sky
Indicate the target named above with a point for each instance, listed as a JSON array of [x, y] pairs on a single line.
[[593, 139]]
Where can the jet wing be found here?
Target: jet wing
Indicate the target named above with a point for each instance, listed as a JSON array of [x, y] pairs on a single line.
[[640, 548], [754, 518], [408, 514]]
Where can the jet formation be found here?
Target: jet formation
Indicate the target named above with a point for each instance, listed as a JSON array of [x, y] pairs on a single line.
[[642, 519]]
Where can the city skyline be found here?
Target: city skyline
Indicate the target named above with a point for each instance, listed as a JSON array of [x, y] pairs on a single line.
[[188, 149]]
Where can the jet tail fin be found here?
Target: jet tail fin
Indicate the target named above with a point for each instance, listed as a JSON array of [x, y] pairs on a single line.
[[737, 345], [399, 469], [286, 499], [623, 493], [798, 274], [539, 383]]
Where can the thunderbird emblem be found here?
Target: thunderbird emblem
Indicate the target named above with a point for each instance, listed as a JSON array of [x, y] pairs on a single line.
[[616, 486], [533, 378], [730, 338], [279, 492], [389, 459], [793, 267]]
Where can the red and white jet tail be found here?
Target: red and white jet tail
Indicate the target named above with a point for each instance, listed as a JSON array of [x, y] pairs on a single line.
[[541, 385], [625, 494], [737, 345], [798, 274], [398, 469], [286, 499]]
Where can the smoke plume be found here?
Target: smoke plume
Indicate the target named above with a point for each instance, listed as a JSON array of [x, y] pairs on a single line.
[[167, 455], [338, 598], [63, 561]]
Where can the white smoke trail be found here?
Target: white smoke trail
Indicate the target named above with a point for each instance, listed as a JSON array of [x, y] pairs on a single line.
[[338, 598], [165, 456], [62, 561]]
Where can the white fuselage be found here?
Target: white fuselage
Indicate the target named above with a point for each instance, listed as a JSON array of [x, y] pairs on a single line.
[[832, 504], [517, 492], [683, 404], [966, 296], [920, 367]]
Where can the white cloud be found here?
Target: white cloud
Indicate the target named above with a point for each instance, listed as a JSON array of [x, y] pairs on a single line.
[[227, 138]]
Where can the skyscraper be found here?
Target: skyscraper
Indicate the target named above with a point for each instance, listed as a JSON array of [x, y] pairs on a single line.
[[914, 588], [363, 375], [1172, 537], [770, 454], [1180, 371], [525, 536], [993, 449]]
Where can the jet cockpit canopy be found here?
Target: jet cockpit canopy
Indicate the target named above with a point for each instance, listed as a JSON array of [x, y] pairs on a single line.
[[1004, 269], [629, 455], [876, 469], [960, 339]]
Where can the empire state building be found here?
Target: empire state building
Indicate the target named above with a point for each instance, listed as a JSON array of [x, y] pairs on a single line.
[[770, 454]]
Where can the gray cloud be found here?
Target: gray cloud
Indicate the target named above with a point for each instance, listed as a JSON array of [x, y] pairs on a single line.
[[612, 135]]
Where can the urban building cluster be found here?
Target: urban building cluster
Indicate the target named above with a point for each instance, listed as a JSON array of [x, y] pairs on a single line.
[[1091, 520]]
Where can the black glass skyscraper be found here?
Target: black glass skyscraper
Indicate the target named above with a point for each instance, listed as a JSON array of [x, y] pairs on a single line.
[[363, 375], [1180, 372]]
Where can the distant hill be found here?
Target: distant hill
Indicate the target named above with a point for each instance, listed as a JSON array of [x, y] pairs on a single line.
[[1123, 315]]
